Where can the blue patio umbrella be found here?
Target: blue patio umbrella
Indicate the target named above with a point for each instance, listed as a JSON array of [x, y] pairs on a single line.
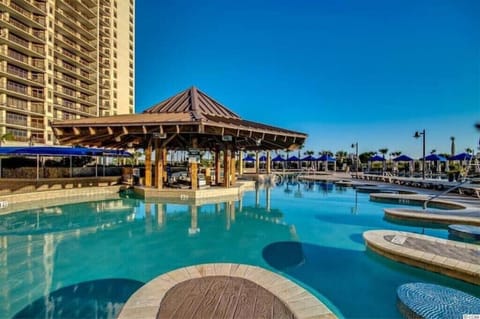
[[435, 158], [461, 157], [248, 158], [403, 158], [309, 158], [278, 158], [263, 158], [293, 159], [327, 158], [376, 158]]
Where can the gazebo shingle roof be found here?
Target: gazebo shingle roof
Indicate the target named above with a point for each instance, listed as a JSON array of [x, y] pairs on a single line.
[[176, 120], [195, 102]]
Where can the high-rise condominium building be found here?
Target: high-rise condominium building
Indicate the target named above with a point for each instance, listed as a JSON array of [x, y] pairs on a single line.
[[63, 59]]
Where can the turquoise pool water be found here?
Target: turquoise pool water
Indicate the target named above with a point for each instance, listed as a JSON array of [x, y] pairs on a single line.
[[81, 259]]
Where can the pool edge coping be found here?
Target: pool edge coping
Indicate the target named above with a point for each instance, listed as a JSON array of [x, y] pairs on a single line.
[[374, 240], [145, 302]]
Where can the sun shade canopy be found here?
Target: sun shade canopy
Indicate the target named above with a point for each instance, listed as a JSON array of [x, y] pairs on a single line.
[[403, 158], [60, 151], [376, 158], [188, 119]]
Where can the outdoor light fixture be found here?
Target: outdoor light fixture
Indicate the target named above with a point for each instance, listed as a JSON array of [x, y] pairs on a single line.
[[356, 157], [160, 135], [417, 135]]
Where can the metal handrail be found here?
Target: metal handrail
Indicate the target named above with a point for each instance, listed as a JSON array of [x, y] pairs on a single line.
[[425, 203]]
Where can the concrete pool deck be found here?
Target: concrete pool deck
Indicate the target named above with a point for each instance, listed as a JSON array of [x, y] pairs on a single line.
[[448, 257], [258, 291]]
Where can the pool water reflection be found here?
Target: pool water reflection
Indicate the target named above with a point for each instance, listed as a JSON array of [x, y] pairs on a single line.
[[310, 232]]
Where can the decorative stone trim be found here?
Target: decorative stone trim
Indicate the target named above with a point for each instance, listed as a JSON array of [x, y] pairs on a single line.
[[430, 216], [376, 240], [146, 301]]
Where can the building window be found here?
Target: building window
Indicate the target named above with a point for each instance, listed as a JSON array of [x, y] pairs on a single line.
[[17, 119], [17, 103], [18, 135]]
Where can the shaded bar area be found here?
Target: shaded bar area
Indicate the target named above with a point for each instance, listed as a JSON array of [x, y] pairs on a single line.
[[190, 122]]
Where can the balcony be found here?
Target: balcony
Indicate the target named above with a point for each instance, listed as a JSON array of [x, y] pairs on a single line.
[[73, 108], [37, 125], [85, 20], [34, 6], [24, 15], [16, 122], [89, 33], [33, 35], [21, 92], [23, 46], [25, 77], [37, 108], [72, 33], [84, 8]]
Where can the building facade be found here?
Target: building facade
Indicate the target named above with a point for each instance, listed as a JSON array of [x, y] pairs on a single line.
[[63, 59]]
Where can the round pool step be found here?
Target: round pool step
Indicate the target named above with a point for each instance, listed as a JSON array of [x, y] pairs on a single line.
[[422, 300], [465, 231]]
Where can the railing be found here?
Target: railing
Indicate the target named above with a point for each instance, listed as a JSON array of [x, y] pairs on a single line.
[[19, 9], [37, 107], [460, 184]]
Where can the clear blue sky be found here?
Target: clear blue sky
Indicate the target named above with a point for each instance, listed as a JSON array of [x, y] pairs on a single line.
[[342, 71]]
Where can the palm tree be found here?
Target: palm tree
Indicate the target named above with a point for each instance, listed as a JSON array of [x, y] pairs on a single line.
[[6, 137], [469, 150], [395, 154], [433, 151], [365, 156], [383, 151]]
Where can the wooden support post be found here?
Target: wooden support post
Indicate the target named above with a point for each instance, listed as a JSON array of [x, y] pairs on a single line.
[[269, 161], [240, 164], [257, 163], [233, 169], [159, 167], [194, 175], [164, 161], [226, 168], [217, 167], [148, 165]]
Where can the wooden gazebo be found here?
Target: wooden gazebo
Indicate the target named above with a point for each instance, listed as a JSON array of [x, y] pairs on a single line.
[[190, 121]]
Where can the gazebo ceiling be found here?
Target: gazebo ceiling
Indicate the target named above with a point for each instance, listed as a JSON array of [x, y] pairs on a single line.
[[188, 119]]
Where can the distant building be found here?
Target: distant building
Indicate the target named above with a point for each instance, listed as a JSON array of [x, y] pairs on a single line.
[[63, 59]]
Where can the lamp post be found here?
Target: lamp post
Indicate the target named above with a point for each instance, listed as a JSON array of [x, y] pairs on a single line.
[[417, 135], [356, 158]]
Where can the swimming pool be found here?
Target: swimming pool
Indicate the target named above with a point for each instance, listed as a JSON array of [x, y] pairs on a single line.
[[310, 232]]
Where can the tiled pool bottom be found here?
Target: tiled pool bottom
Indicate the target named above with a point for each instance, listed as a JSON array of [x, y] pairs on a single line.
[[47, 250]]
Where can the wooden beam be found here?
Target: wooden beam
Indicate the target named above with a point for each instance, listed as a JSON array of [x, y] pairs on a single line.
[[144, 129], [92, 130], [58, 131], [109, 130], [168, 140], [76, 131], [161, 129], [125, 130]]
